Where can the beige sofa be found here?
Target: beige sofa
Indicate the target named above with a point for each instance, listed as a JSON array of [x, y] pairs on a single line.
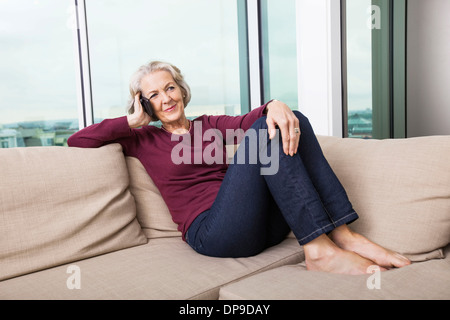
[[90, 224]]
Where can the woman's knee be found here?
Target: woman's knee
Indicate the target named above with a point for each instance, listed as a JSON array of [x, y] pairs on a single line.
[[300, 116], [260, 123]]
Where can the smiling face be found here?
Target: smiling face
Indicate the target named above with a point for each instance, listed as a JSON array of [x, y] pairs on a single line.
[[166, 97]]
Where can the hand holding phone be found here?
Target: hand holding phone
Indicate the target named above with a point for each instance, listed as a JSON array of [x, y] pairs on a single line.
[[146, 105], [141, 112]]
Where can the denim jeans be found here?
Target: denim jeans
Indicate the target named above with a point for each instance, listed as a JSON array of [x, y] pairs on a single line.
[[253, 211]]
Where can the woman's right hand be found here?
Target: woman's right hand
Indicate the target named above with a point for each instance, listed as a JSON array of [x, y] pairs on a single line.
[[139, 118]]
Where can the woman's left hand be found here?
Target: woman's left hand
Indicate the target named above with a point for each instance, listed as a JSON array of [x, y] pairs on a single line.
[[279, 114]]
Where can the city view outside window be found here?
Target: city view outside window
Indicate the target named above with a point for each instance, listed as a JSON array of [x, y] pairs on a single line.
[[38, 105]]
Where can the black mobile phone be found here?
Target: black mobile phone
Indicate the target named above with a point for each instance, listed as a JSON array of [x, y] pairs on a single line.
[[146, 105]]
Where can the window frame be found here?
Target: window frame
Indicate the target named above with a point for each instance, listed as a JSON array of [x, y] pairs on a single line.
[[249, 59], [320, 95], [84, 84], [320, 65], [388, 70]]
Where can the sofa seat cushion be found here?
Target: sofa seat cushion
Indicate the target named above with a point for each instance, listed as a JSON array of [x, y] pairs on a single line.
[[164, 268], [59, 205], [419, 281], [400, 189]]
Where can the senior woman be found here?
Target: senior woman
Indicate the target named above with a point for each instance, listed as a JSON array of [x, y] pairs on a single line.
[[232, 210]]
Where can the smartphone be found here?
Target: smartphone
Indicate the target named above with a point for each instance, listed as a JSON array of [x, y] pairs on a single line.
[[146, 105]]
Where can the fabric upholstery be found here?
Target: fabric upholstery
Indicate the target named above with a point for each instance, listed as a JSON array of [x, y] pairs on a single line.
[[59, 205], [164, 268], [400, 189], [419, 281], [152, 211]]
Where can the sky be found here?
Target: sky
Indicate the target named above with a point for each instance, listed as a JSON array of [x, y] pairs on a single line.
[[36, 61]]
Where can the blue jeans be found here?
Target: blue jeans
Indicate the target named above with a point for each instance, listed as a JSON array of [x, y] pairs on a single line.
[[253, 211]]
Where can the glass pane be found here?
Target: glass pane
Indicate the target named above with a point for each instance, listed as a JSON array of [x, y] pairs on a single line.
[[38, 105], [359, 68], [198, 36], [381, 69], [279, 40], [376, 68]]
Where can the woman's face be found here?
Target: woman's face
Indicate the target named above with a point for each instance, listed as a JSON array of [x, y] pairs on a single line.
[[165, 96]]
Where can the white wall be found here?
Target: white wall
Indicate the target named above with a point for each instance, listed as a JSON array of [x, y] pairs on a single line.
[[428, 68], [319, 64]]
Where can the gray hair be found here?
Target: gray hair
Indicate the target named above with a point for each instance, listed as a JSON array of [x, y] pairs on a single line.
[[135, 82]]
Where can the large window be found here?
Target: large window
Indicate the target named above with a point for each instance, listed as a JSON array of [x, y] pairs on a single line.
[[375, 33], [66, 64], [199, 36], [38, 105], [359, 68], [279, 42]]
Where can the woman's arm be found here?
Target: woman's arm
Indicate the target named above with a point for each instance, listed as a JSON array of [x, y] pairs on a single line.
[[106, 132], [118, 130], [278, 114]]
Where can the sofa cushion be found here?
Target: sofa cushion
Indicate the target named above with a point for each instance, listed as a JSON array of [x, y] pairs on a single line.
[[400, 189], [422, 280], [59, 205], [152, 211], [164, 268]]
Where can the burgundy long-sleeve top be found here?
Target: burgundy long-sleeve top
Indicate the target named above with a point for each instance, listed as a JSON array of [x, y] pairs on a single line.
[[188, 169]]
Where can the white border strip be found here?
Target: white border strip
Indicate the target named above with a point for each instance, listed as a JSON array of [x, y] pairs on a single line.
[[253, 52], [319, 64]]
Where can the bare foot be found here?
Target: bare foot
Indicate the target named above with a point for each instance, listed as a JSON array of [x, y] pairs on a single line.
[[352, 241], [322, 254]]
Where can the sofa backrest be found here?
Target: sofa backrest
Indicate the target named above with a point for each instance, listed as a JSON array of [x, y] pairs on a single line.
[[400, 189], [152, 212], [59, 205]]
